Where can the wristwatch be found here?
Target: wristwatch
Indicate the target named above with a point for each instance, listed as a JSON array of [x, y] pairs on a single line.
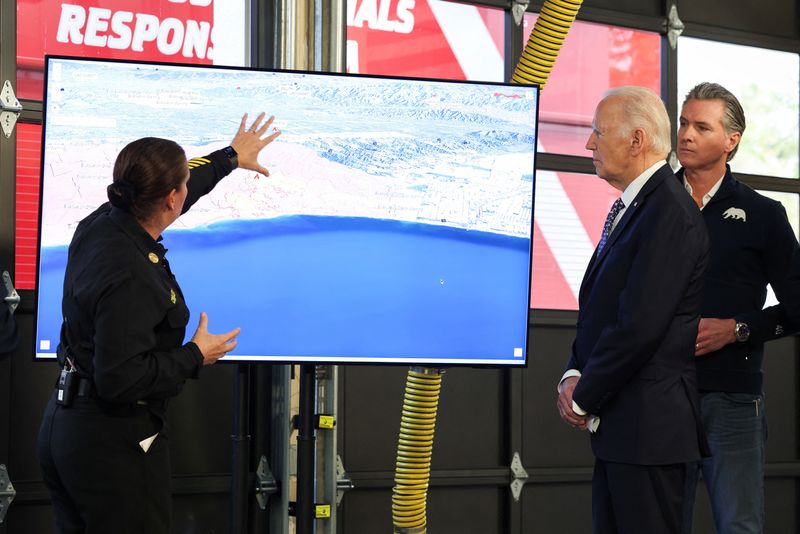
[[232, 155], [742, 332]]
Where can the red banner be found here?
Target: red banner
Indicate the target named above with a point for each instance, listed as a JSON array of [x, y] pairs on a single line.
[[146, 30], [405, 37]]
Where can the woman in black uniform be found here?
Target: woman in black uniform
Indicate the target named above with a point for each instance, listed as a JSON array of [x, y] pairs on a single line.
[[103, 440]]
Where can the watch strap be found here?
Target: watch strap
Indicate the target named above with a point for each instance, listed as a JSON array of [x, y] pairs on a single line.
[[232, 156]]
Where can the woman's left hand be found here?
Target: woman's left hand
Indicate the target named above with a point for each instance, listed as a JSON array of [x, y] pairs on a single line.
[[213, 346], [248, 142]]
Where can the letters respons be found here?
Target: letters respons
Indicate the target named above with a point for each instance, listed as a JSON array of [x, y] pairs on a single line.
[[123, 30]]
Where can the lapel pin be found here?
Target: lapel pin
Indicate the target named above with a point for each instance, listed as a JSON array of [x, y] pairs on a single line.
[[153, 257]]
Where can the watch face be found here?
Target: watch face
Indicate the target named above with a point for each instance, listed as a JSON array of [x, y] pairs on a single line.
[[742, 331]]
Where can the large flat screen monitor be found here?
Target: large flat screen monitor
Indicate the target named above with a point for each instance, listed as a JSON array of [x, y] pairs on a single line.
[[395, 226]]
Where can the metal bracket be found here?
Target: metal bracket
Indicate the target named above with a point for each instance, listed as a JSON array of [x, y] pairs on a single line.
[[343, 481], [520, 476], [12, 297], [674, 26], [518, 9], [7, 492], [9, 102], [10, 109], [266, 485], [8, 120]]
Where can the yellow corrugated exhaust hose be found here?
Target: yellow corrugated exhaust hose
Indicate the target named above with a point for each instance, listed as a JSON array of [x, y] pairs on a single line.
[[544, 44], [414, 449], [421, 400]]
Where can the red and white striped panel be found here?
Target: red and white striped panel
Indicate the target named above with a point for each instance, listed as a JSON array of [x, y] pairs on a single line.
[[438, 39]]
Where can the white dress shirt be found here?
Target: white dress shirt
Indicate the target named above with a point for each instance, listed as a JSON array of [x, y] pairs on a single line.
[[708, 196]]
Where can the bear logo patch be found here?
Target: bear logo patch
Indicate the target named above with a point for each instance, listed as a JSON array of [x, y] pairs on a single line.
[[735, 213]]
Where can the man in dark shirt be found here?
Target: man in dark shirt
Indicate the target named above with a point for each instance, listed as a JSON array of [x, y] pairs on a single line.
[[752, 245]]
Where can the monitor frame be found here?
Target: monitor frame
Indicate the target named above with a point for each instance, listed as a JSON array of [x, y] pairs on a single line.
[[324, 360]]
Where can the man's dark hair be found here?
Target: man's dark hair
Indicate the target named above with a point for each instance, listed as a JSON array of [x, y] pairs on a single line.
[[733, 120]]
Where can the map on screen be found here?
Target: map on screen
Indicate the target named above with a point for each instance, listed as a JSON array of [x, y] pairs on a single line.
[[395, 225]]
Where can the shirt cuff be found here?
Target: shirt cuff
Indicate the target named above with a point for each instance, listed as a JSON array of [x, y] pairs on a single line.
[[592, 423], [577, 409], [567, 374]]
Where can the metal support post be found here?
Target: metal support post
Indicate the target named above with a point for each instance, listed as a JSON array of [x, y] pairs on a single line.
[[240, 458], [306, 452]]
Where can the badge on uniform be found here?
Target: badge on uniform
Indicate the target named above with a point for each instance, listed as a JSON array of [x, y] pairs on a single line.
[[153, 257], [172, 296]]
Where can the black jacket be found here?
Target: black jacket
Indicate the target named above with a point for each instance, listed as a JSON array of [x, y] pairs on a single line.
[[124, 313], [752, 245]]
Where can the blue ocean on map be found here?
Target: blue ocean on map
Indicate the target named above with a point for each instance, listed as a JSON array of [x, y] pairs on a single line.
[[353, 287]]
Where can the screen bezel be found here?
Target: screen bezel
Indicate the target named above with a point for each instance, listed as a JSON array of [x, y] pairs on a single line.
[[329, 360]]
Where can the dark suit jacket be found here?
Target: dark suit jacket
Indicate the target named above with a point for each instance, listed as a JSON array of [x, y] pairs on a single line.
[[637, 326]]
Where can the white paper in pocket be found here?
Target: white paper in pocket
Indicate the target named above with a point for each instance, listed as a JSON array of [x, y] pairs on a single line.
[[146, 442]]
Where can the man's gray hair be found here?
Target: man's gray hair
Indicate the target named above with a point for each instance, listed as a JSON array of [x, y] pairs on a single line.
[[643, 108], [733, 120]]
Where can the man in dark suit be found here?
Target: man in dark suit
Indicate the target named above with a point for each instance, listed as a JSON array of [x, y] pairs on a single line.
[[630, 378]]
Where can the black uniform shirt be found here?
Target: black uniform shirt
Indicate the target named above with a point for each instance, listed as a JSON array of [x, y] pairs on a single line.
[[124, 313]]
